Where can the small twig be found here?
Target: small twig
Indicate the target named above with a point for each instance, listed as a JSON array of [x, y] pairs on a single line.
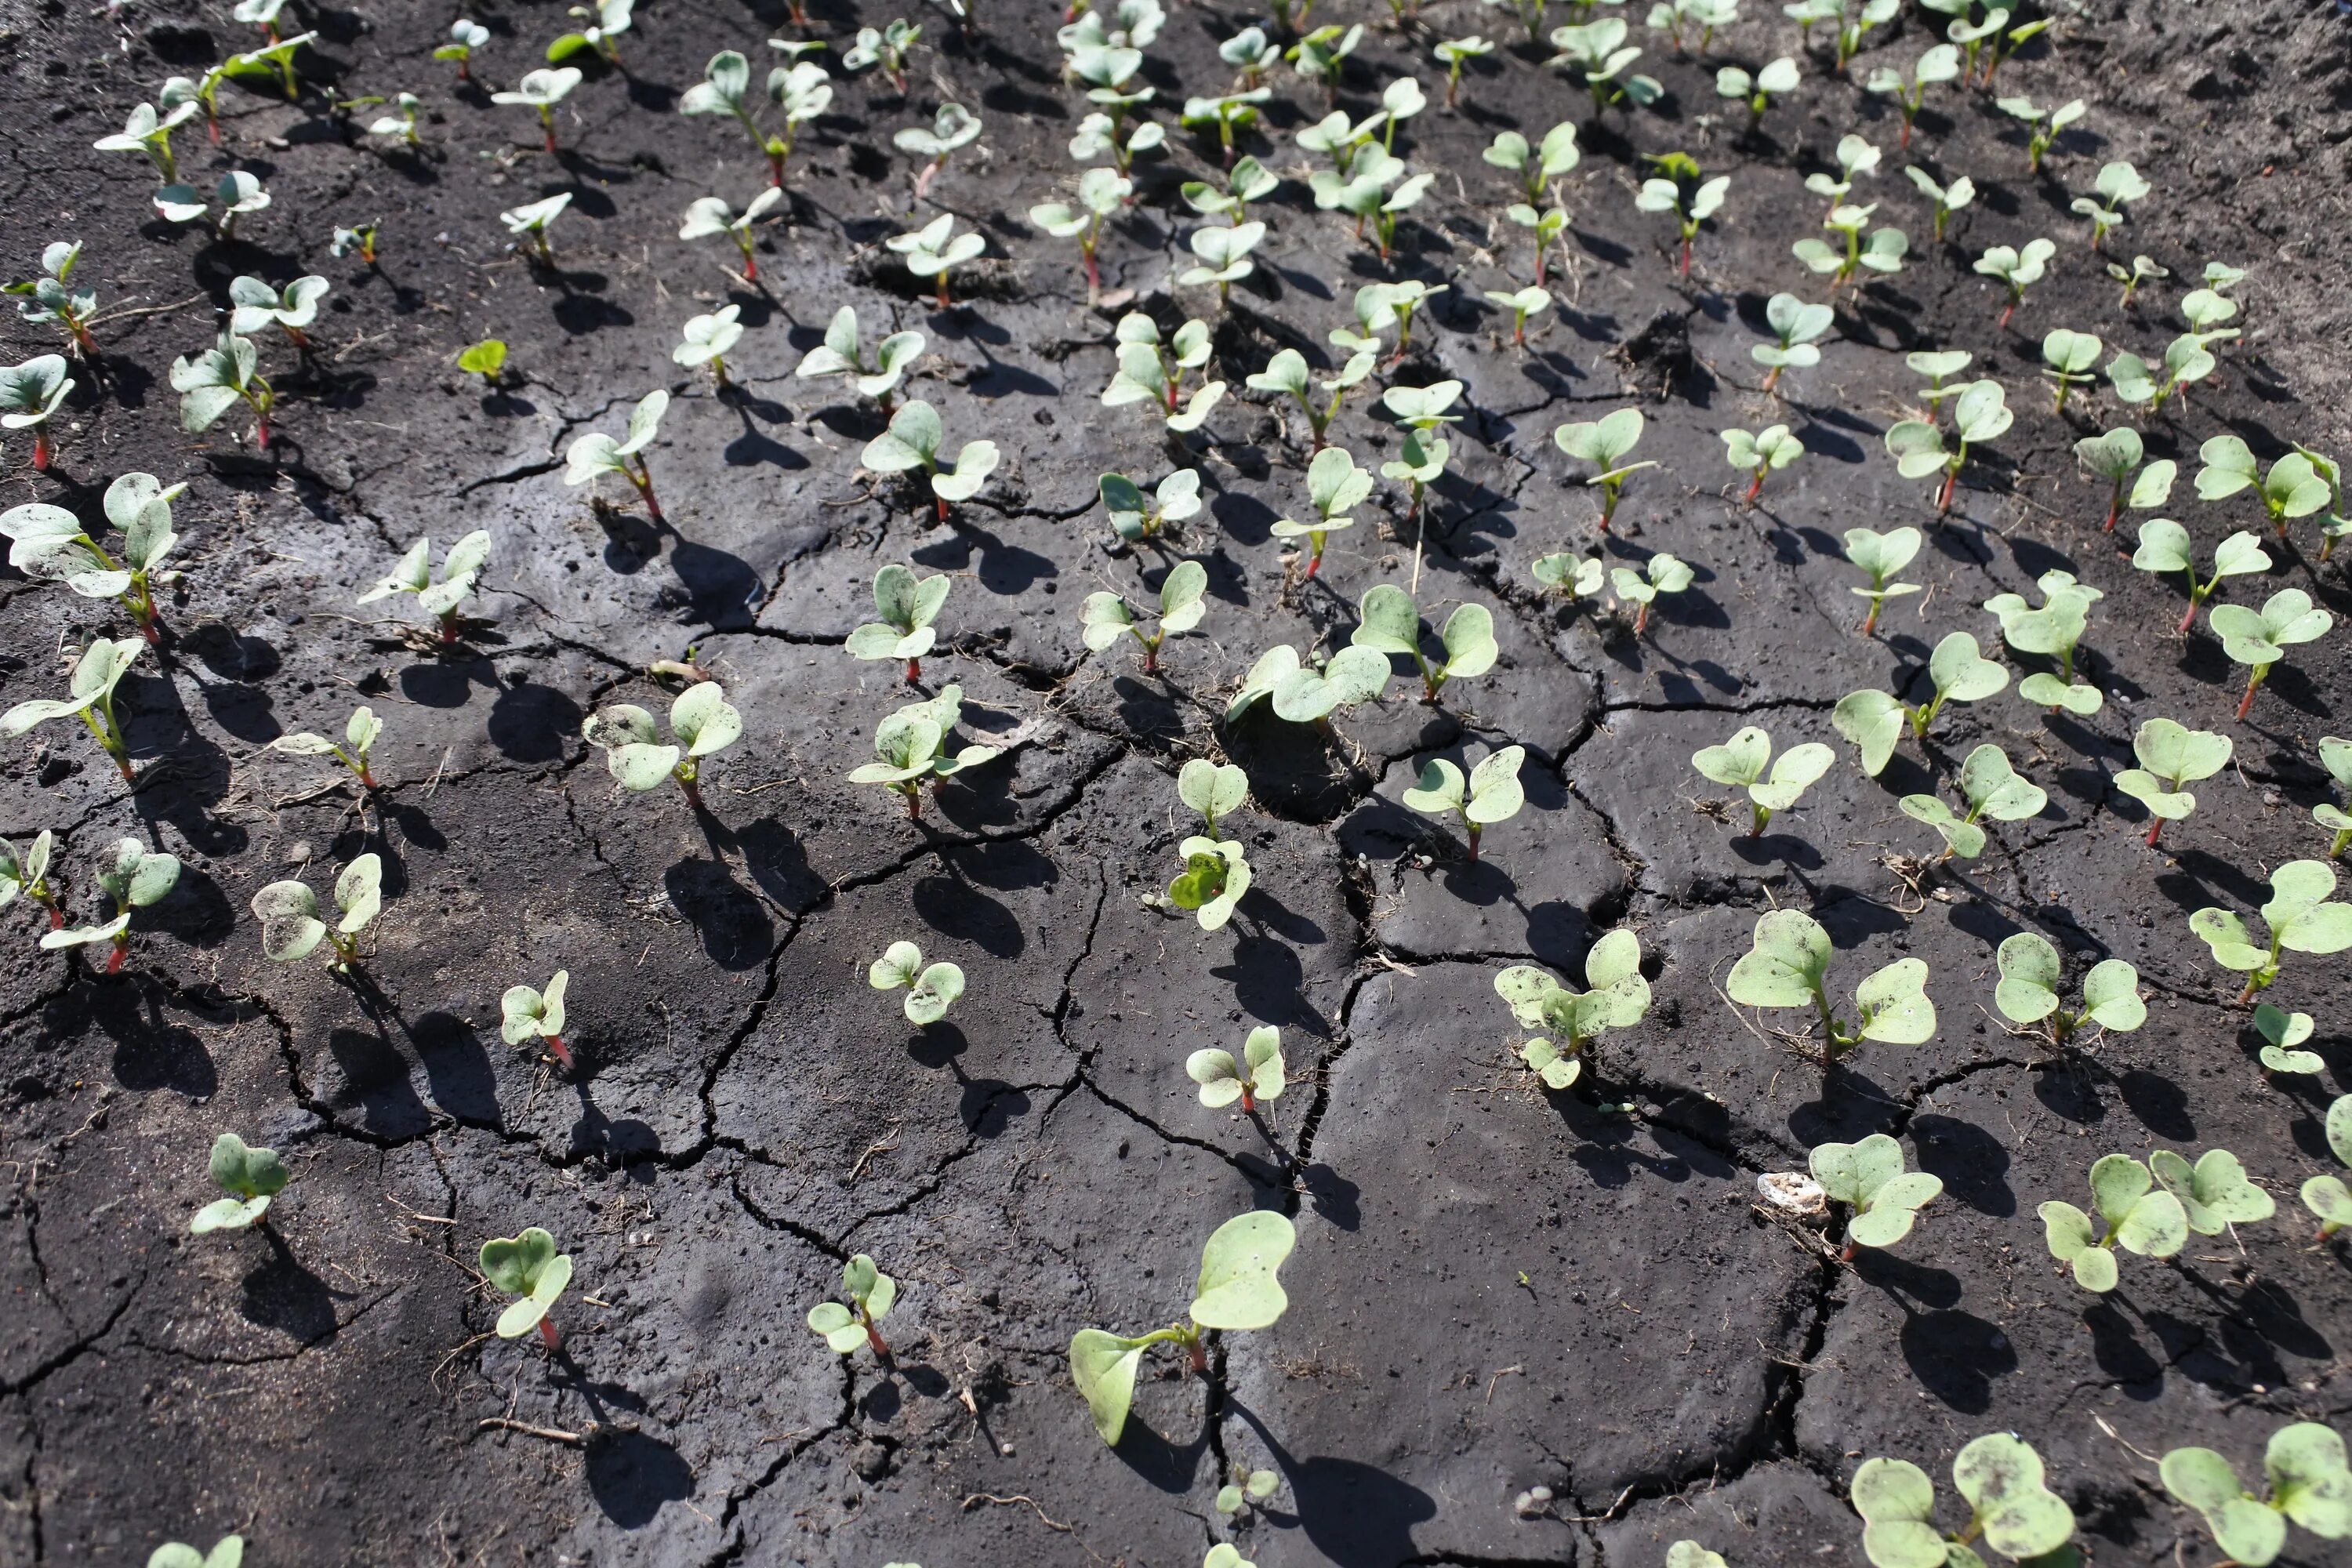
[[552, 1434], [1498, 1377], [105, 316]]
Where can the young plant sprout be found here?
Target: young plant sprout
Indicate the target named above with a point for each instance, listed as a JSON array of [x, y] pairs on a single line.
[[486, 359], [2141, 1217], [1677, 189], [1875, 721], [1788, 967], [1760, 453], [2115, 456], [2299, 918], [90, 698], [711, 215], [360, 732], [1288, 371], [291, 927], [52, 297], [2292, 488], [1602, 442], [26, 875], [1418, 464], [910, 744], [709, 339], [2336, 756], [461, 570], [2283, 1031], [1246, 182], [2164, 546], [1619, 999], [606, 20], [1455, 54], [1522, 303], [1990, 787], [1247, 1487], [1661, 573], [238, 192], [212, 382], [1335, 487], [2018, 271], [913, 440], [886, 48], [1796, 327], [952, 126], [1390, 622], [1547, 225], [542, 91], [228, 1551], [2305, 1480], [1101, 194], [934, 250], [725, 88], [2260, 638], [1999, 1476], [49, 546], [2030, 974], [1150, 371], [1306, 693], [1223, 256], [251, 1176], [256, 307], [1883, 251], [1599, 52], [464, 37], [702, 723], [1257, 1076], [1492, 793], [1948, 199], [150, 134], [870, 1294], [400, 125], [841, 355], [1135, 517], [1868, 1177], [2140, 272], [136, 878], [2207, 308], [1238, 1288], [2326, 1195], [527, 1014], [908, 606], [1232, 112], [596, 453], [532, 220], [1776, 79], [1322, 55], [204, 91], [1216, 874], [1101, 132], [528, 1266], [1939, 63], [1673, 17], [1740, 764], [1107, 617], [1882, 555], [2042, 125], [931, 988], [1251, 54], [1538, 165], [2170, 756], [361, 239], [2119, 183], [1214, 790], [1855, 157], [2186, 360], [2053, 629], [2214, 1193], [2070, 358], [30, 393], [1980, 413]]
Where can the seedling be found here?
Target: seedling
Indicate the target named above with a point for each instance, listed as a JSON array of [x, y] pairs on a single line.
[[1883, 251], [1523, 303], [52, 298], [725, 88], [2186, 360], [150, 134], [2299, 918], [291, 927], [1135, 517], [1677, 189], [1760, 453], [401, 125], [1492, 794], [2306, 1481], [2207, 309], [361, 239], [1990, 787], [2018, 271], [212, 382], [606, 20], [1948, 198], [1740, 764], [1599, 52], [262, 14], [1939, 64], [1882, 555], [1691, 1555], [1547, 226], [2139, 1215], [2293, 488], [90, 698], [2056, 627], [935, 251], [1855, 157], [1304, 693], [2030, 974], [711, 215], [529, 1015], [1335, 487], [840, 354], [464, 37], [2042, 125], [702, 723], [1999, 1476], [1108, 617], [1538, 165], [1619, 999], [2070, 357], [1671, 18], [1868, 1177], [1979, 414], [802, 92], [908, 606], [1238, 1288], [1322, 55], [1603, 443], [1101, 194], [531, 222], [1246, 182], [50, 545], [2115, 456], [2336, 756], [913, 441], [1223, 256], [135, 878], [542, 91], [1390, 622], [1788, 967], [2163, 546], [26, 875], [461, 570], [1873, 721], [1661, 573], [29, 394], [277, 57], [2282, 1032], [2214, 1193], [2170, 756], [1419, 463], [1796, 327], [2260, 638], [1234, 112], [870, 1294], [952, 126], [910, 745], [1251, 54], [1578, 577], [2119, 183], [252, 1176], [1148, 371], [360, 732], [202, 91], [931, 988], [2326, 1195], [1454, 54], [1776, 79], [1257, 1076], [226, 1553], [1214, 790], [1247, 1487], [529, 1268], [1216, 874], [709, 339]]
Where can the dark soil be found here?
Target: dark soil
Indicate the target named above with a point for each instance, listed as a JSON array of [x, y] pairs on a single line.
[[1494, 1289]]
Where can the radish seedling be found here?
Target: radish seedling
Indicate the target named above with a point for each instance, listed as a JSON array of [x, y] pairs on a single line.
[[1246, 182], [529, 1268], [702, 723], [360, 732], [1671, 18], [1234, 112], [2115, 456], [251, 1176], [931, 988], [1522, 303], [596, 453], [886, 48], [1788, 967], [1740, 764], [1257, 1076], [1948, 199], [2170, 756], [2214, 1193], [1796, 327], [1107, 616], [1127, 25], [2282, 1032], [212, 382], [1099, 132], [870, 1295], [2305, 1480], [1777, 78], [135, 877], [1868, 1177], [261, 13], [1101, 194], [1538, 165], [1216, 874], [1455, 54], [486, 359], [228, 1551], [53, 298], [1578, 577], [361, 239], [1676, 188], [531, 221], [2186, 360], [908, 606], [1247, 1487], [1882, 555], [542, 91], [2056, 627], [1288, 371], [1215, 790], [2163, 546], [2260, 638], [709, 339], [725, 88], [2326, 1195], [1999, 1476], [913, 441], [801, 92], [1883, 251], [1149, 372], [1941, 62], [1990, 787], [461, 570], [26, 875], [1421, 410], [841, 355], [1306, 693], [936, 249], [2030, 974], [1760, 453], [202, 91], [2207, 310], [465, 36], [1602, 442], [1599, 52], [2019, 269], [1855, 157], [2292, 488], [1979, 414], [402, 124], [49, 546], [2131, 278], [526, 1013], [1389, 622], [30, 393], [1661, 573], [1223, 253], [291, 927], [97, 672], [711, 215], [1335, 487], [237, 193], [910, 744], [2042, 125], [2119, 184], [1619, 999], [256, 307], [2299, 918], [1251, 54], [606, 19], [1492, 793], [1238, 1288], [2069, 358], [1420, 462], [2336, 756], [953, 127], [150, 134], [1322, 55], [1135, 517], [1548, 226], [1875, 721]]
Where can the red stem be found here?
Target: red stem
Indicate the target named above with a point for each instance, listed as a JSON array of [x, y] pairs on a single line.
[[114, 960], [2003, 325], [1904, 141], [1474, 843], [1870, 621], [261, 430], [2188, 620], [563, 1052], [914, 802], [1315, 564], [56, 917], [914, 671], [1686, 248], [41, 449], [553, 1340], [2247, 702], [1750, 498], [1150, 660], [2154, 827], [1943, 500], [945, 304], [874, 1339], [550, 147], [693, 792], [644, 483], [941, 501]]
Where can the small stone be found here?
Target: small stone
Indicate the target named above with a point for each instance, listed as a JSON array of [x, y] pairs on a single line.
[[1793, 1192]]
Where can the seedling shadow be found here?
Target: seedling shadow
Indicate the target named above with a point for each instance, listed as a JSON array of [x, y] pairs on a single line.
[[1356, 1515], [281, 1293]]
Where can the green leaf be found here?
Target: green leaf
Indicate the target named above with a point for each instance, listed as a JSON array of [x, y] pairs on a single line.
[[2029, 976], [1961, 673], [934, 993], [1894, 1006], [2308, 1478], [1874, 722], [2213, 1194], [1897, 1504], [514, 1263], [1237, 1286], [2002, 1477], [1103, 1366], [1786, 966]]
